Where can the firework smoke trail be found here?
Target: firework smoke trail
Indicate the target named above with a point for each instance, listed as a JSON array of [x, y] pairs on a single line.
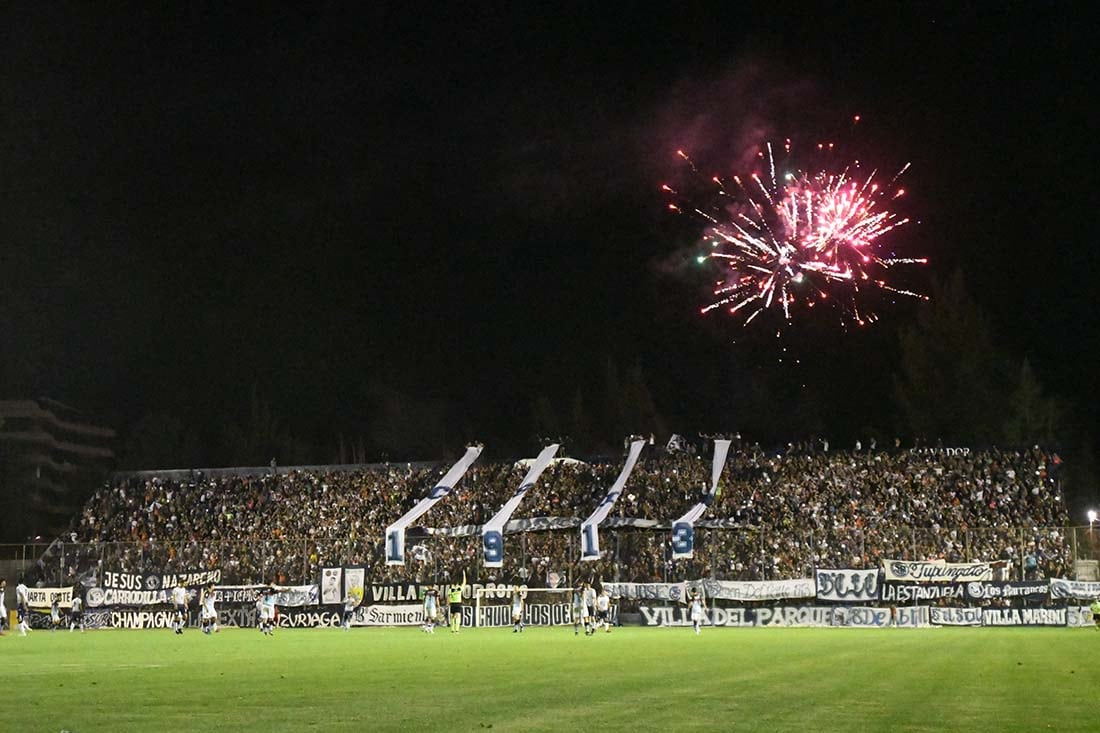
[[799, 239]]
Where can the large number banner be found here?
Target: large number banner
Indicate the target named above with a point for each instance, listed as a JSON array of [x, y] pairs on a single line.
[[492, 533], [1023, 617], [936, 571], [590, 533], [847, 586], [395, 533], [43, 598], [1061, 588], [683, 529], [940, 616]]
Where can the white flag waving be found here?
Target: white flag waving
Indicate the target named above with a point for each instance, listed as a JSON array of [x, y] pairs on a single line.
[[590, 537], [395, 533], [492, 534], [683, 529]]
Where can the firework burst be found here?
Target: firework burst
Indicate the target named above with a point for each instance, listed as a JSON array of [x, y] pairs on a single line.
[[794, 240]]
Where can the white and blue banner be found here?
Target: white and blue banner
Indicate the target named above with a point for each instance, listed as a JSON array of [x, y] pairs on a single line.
[[395, 533], [862, 617], [727, 590], [1023, 617], [683, 529], [847, 586], [590, 536], [492, 532], [936, 571], [940, 616], [1080, 589]]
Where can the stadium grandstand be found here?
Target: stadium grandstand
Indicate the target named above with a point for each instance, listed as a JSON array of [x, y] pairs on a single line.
[[776, 515]]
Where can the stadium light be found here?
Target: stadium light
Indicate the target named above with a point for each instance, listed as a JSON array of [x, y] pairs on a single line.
[[1092, 518]]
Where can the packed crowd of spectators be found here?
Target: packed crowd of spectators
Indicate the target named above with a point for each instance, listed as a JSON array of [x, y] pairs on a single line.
[[784, 513]]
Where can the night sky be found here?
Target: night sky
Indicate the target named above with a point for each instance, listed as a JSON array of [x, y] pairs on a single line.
[[322, 205]]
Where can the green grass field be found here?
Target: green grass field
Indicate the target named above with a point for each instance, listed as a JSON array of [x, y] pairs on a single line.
[[547, 679]]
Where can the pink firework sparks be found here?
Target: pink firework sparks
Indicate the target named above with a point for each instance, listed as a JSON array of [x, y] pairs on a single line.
[[797, 239]]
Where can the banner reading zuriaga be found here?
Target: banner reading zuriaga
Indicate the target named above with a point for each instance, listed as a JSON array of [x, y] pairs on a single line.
[[590, 533], [395, 533], [936, 571], [683, 529], [1061, 588], [492, 534]]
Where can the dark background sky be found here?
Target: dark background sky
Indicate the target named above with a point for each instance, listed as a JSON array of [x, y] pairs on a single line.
[[461, 207]]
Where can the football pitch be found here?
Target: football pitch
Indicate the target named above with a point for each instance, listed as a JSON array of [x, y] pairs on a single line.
[[548, 679]]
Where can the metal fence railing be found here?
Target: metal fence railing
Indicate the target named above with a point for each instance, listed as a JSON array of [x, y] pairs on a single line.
[[748, 553]]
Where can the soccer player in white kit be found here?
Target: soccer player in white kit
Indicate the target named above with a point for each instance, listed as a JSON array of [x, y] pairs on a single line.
[[267, 610], [76, 614], [578, 608], [519, 603], [179, 608], [3, 608], [22, 606], [350, 603], [55, 614], [208, 612], [589, 609], [431, 610], [698, 608], [603, 610]]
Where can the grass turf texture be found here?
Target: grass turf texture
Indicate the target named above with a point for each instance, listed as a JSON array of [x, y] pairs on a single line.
[[547, 679]]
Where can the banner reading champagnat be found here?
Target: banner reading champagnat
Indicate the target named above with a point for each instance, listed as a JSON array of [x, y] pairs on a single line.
[[590, 533], [683, 529], [395, 533], [492, 534]]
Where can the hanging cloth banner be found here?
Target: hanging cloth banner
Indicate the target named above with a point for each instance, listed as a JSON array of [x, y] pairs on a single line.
[[590, 537], [492, 532], [683, 529], [395, 533]]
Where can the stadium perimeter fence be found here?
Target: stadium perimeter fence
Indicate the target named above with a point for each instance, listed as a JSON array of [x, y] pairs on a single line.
[[630, 555]]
